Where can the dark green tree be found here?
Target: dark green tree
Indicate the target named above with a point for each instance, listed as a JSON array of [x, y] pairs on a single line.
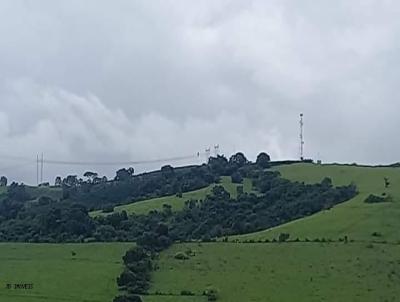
[[3, 181], [263, 160]]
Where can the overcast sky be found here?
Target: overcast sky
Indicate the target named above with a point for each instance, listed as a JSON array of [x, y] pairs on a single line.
[[138, 80]]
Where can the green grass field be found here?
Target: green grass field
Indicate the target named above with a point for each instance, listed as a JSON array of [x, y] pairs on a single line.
[[143, 207], [56, 275], [303, 272], [356, 219], [359, 271]]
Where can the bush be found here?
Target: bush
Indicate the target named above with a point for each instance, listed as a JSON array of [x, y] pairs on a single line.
[[211, 294], [108, 209], [283, 237], [181, 256], [133, 298], [376, 199], [186, 293], [237, 178]]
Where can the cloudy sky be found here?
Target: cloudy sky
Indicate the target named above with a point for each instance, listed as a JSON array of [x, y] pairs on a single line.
[[136, 80]]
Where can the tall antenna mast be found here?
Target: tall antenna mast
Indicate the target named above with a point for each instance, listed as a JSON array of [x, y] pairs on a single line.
[[301, 137], [37, 169]]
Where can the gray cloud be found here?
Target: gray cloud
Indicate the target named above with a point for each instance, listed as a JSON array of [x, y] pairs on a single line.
[[101, 80]]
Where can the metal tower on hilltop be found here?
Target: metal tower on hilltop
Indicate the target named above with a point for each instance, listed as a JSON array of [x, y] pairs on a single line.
[[301, 137]]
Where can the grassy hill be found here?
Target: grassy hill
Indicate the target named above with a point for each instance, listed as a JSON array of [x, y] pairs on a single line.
[[58, 276], [356, 219], [281, 272], [143, 207], [360, 270]]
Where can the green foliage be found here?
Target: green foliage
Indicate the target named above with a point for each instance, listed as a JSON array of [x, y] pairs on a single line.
[[376, 199], [263, 160], [3, 181], [283, 237], [176, 202], [127, 187], [181, 256]]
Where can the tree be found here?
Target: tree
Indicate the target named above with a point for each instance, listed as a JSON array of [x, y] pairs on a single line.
[[70, 181], [124, 174], [58, 181], [238, 159], [326, 182], [237, 178], [167, 171], [218, 164], [90, 176], [3, 181], [387, 183], [263, 160]]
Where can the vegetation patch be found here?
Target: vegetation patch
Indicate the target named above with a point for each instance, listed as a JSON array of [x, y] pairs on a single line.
[[377, 199]]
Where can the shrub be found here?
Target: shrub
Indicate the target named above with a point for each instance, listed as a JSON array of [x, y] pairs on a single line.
[[108, 209], [376, 199], [133, 298], [186, 293], [211, 294], [283, 237], [181, 256]]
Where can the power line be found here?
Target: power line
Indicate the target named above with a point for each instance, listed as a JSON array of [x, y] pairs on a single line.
[[118, 163]]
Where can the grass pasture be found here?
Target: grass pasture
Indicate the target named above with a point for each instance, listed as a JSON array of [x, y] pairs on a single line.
[[303, 272], [366, 270], [355, 218], [57, 275], [143, 207]]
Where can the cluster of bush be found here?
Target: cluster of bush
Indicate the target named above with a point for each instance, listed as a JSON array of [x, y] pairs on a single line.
[[377, 199]]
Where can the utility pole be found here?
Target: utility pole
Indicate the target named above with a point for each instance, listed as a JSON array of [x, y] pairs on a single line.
[[37, 169], [301, 137]]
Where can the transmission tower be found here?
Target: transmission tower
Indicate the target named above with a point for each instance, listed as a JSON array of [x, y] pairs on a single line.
[[301, 137], [216, 150], [208, 153]]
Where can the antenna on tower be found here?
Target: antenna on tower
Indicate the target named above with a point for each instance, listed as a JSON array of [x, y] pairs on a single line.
[[301, 137], [216, 150], [208, 153]]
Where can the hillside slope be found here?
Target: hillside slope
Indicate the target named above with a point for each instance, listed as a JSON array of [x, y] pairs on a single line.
[[303, 272], [364, 270], [143, 207], [355, 219]]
